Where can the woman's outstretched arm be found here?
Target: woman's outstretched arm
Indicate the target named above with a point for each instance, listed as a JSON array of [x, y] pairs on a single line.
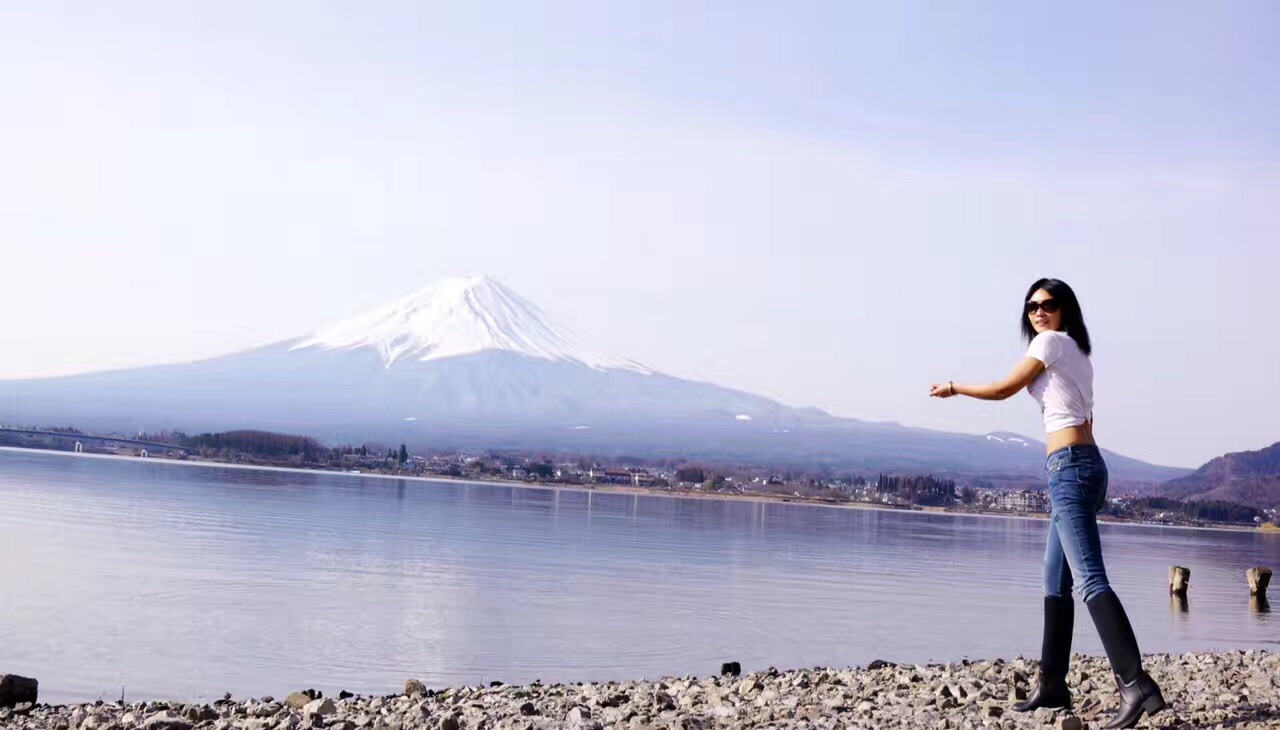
[[1027, 370]]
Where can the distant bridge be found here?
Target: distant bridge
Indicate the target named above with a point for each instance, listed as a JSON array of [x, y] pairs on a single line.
[[83, 437]]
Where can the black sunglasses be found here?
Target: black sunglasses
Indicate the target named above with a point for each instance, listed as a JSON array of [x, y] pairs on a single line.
[[1049, 306]]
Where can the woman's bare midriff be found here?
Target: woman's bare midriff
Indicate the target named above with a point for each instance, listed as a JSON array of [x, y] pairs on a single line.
[[1071, 436]]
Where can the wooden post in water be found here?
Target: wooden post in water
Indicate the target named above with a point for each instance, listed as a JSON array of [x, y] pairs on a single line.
[[1259, 578], [1179, 580]]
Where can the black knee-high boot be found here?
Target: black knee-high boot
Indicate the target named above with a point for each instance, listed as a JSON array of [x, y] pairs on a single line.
[[1139, 693], [1055, 656]]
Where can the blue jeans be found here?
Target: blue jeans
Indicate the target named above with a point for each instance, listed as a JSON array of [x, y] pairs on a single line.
[[1077, 491]]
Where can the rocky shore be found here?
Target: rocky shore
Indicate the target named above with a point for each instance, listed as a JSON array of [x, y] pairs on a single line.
[[1211, 690]]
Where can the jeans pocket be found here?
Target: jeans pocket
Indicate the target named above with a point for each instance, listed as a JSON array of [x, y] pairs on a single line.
[[1101, 489], [1066, 489], [1093, 483]]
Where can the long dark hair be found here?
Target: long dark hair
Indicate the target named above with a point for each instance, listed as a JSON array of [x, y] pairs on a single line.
[[1072, 317]]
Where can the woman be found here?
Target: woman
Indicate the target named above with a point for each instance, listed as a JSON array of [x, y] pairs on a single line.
[[1058, 373]]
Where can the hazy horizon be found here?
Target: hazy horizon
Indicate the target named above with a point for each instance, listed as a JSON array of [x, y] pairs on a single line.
[[826, 205]]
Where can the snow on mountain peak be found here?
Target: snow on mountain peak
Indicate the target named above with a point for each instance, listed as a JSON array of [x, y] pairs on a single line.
[[461, 316]]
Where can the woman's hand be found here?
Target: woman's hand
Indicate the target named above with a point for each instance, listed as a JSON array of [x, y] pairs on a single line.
[[945, 390]]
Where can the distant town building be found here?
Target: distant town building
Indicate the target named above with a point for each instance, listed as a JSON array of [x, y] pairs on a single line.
[[610, 476], [643, 479], [1025, 500]]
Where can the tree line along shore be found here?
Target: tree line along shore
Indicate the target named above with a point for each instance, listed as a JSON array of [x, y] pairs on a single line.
[[1007, 496]]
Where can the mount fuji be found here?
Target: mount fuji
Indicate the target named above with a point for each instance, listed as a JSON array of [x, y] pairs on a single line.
[[467, 363]]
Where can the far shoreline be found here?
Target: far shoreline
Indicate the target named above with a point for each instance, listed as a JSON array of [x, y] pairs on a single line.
[[618, 489]]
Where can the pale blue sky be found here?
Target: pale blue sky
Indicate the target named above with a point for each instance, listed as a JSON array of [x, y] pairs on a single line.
[[831, 204]]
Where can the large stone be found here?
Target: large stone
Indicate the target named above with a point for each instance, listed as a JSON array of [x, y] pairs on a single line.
[[1068, 723], [1179, 580], [22, 708], [615, 699], [298, 700], [15, 689], [414, 688], [96, 722], [270, 709], [322, 707], [730, 669], [166, 720]]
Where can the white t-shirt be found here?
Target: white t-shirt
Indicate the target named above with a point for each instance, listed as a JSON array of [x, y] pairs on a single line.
[[1065, 388]]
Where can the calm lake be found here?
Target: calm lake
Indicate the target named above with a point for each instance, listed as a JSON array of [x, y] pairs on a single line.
[[179, 581]]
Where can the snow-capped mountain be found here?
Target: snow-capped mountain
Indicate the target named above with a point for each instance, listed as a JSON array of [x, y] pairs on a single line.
[[467, 363], [461, 316], [1012, 439]]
